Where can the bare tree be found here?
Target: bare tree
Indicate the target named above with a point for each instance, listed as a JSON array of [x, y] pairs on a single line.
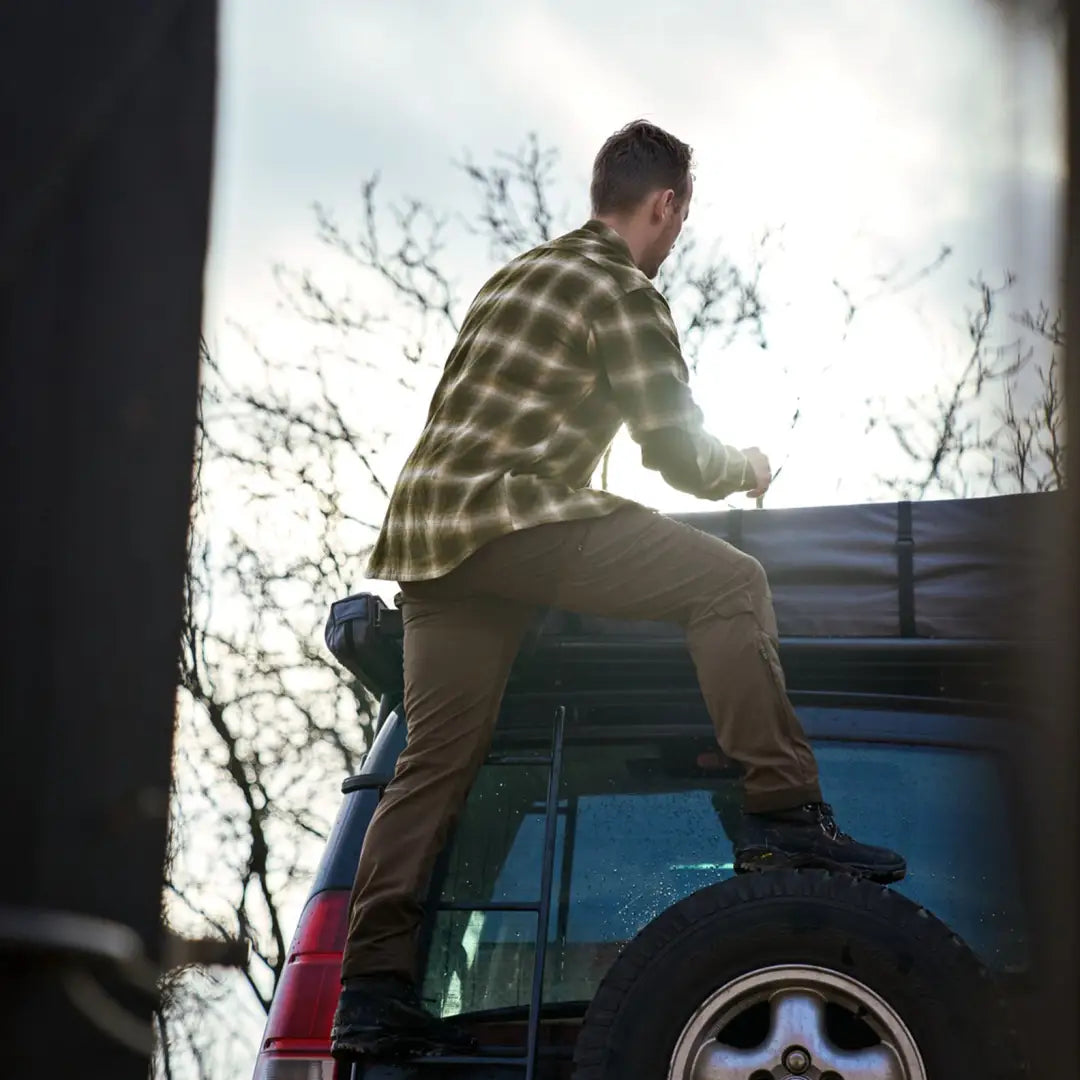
[[996, 422], [266, 721]]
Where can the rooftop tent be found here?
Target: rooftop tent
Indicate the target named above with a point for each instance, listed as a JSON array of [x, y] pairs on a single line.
[[954, 568], [948, 574]]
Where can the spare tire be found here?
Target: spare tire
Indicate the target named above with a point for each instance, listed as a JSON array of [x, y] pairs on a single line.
[[793, 974]]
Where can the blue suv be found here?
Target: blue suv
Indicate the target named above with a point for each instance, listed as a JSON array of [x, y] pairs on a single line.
[[586, 921]]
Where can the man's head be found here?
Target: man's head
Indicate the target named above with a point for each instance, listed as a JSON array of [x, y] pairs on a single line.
[[641, 187]]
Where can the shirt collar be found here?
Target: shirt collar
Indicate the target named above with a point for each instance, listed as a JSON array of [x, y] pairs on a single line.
[[606, 233]]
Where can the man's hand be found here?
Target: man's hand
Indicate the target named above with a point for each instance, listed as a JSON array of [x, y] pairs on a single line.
[[759, 463]]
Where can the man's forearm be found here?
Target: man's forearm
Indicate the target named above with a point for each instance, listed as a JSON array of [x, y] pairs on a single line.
[[696, 463]]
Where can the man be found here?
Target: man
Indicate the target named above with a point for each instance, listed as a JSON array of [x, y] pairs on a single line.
[[492, 518]]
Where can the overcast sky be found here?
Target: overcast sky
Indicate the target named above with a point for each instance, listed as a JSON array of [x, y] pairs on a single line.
[[872, 132]]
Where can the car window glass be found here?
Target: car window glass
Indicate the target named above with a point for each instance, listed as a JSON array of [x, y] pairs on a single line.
[[643, 824]]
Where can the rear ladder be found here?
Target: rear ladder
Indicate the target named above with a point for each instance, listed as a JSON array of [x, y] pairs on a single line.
[[540, 907]]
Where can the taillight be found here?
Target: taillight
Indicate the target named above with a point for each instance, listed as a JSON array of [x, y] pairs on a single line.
[[296, 1043]]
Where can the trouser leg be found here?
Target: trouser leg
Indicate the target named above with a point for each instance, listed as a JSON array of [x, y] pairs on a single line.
[[458, 652], [462, 635], [637, 564]]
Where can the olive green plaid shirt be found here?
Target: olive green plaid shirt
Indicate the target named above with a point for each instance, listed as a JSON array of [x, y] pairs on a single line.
[[558, 349]]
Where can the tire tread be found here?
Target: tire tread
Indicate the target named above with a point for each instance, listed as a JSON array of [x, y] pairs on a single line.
[[920, 926]]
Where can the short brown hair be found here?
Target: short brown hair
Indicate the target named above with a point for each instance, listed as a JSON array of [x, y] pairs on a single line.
[[638, 159]]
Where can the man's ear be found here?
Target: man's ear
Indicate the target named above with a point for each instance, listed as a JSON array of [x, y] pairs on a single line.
[[659, 205]]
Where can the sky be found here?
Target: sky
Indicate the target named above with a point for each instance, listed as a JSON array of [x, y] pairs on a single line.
[[866, 135]]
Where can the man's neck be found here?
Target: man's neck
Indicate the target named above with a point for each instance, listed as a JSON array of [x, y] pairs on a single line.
[[625, 228]]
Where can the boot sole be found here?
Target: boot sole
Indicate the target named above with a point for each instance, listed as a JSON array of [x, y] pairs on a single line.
[[756, 862], [397, 1047]]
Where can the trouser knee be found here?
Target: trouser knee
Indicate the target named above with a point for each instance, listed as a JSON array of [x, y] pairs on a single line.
[[746, 576], [757, 581], [741, 587]]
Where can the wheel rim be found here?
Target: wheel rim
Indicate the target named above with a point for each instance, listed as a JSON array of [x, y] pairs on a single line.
[[798, 1043]]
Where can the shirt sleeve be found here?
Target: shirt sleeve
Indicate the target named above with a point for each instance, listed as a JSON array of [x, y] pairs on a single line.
[[637, 346]]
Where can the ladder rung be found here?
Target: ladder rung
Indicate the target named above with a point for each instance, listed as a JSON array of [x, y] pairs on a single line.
[[517, 759], [493, 905]]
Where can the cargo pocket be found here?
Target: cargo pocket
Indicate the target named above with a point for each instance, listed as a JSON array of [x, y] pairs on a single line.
[[775, 673], [797, 777]]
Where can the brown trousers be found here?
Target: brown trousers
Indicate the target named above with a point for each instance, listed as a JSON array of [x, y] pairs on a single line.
[[462, 634]]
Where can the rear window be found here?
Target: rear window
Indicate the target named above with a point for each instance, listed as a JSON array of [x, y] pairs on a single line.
[[644, 823]]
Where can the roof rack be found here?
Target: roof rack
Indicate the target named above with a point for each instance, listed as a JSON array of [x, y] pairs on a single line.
[[918, 595]]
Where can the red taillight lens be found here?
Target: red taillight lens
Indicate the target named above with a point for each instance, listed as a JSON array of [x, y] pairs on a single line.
[[307, 993]]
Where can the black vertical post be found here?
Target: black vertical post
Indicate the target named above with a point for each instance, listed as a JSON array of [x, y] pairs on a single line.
[[1050, 749], [1060, 828], [107, 116]]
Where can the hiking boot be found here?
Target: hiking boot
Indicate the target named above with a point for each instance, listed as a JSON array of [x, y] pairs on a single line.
[[808, 836], [381, 1017]]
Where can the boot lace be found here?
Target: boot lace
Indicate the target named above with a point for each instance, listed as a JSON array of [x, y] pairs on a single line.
[[824, 814]]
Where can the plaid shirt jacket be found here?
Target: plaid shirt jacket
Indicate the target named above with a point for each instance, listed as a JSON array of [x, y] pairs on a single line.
[[559, 348]]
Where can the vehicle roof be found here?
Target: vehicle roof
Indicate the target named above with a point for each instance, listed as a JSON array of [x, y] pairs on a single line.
[[932, 597]]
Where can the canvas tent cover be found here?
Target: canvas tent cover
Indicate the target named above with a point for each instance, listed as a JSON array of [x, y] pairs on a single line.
[[956, 568]]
